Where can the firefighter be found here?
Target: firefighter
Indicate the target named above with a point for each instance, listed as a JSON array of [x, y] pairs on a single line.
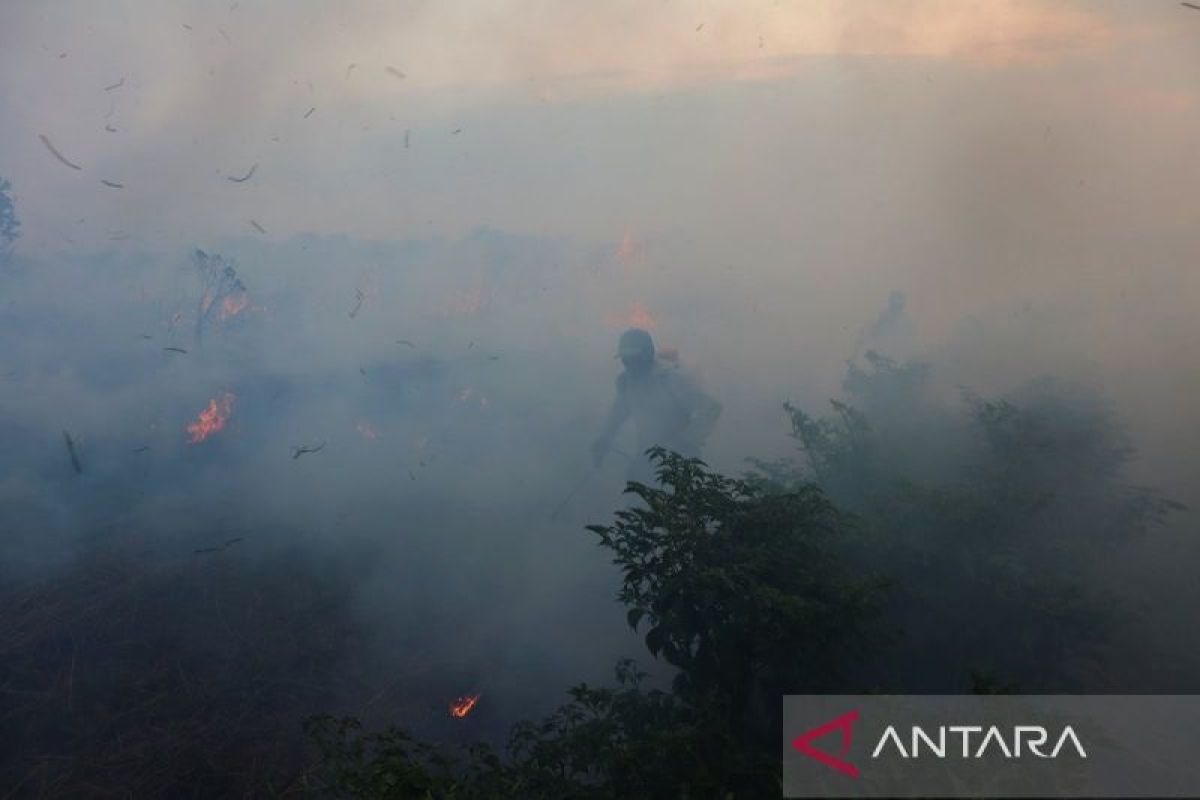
[[667, 408]]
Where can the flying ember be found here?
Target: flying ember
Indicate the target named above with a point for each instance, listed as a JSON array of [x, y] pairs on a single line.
[[212, 418], [463, 706]]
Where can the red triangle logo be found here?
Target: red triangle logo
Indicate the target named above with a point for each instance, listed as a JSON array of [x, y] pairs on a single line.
[[845, 724]]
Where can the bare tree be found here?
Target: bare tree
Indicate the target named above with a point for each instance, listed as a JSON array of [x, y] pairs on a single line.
[[224, 293]]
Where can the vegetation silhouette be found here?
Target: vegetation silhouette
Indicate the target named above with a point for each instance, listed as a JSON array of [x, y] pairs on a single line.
[[862, 564]]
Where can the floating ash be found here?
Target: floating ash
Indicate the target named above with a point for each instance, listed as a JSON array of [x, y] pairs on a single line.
[[73, 453]]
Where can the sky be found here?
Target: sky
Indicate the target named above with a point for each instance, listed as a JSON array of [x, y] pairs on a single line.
[[750, 180], [590, 121]]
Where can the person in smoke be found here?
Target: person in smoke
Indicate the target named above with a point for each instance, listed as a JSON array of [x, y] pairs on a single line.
[[892, 332], [668, 409]]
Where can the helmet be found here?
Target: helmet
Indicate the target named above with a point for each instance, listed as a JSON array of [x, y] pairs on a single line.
[[635, 344]]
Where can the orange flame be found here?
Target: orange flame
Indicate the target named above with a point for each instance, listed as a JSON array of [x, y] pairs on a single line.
[[463, 706], [212, 418], [233, 305], [638, 316]]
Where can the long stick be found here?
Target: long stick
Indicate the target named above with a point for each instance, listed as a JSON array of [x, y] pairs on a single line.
[[587, 476]]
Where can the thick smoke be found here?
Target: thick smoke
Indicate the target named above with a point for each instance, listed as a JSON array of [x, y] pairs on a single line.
[[439, 219]]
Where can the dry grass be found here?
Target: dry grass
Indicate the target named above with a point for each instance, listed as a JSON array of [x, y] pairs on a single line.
[[135, 675]]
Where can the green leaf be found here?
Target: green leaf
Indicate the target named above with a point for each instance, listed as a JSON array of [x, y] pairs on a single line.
[[655, 638], [635, 616]]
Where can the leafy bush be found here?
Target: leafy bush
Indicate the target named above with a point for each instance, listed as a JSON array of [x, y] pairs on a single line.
[[992, 559], [982, 520], [738, 590]]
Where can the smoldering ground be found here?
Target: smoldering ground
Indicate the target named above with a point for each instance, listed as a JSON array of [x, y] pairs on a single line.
[[436, 273]]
